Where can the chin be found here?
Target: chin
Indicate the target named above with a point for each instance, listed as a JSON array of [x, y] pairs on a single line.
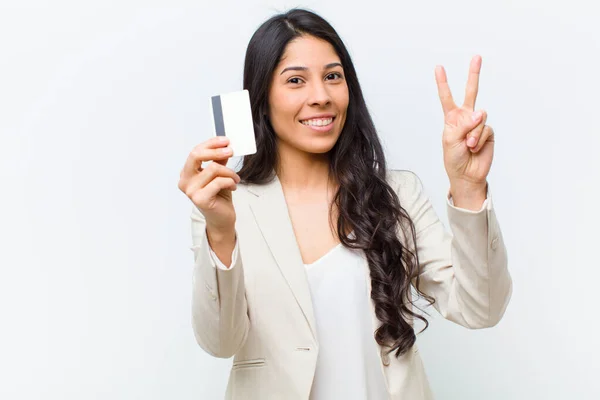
[[319, 146]]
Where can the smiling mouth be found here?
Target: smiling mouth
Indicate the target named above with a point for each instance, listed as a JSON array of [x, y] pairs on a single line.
[[318, 121]]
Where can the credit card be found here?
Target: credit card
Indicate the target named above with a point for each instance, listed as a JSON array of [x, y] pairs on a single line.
[[232, 117]]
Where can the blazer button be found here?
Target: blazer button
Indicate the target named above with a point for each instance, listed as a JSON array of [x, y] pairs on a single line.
[[385, 359], [494, 244]]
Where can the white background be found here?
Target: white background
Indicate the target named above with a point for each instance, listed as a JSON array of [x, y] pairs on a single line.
[[100, 105]]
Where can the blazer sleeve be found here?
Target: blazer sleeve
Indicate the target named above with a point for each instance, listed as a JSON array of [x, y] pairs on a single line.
[[464, 270], [219, 307]]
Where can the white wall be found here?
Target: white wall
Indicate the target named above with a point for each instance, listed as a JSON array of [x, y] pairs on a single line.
[[100, 105]]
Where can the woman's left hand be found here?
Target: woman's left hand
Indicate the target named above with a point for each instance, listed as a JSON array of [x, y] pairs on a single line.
[[468, 142]]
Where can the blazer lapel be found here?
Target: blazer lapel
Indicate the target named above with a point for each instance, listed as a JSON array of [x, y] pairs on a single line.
[[271, 213]]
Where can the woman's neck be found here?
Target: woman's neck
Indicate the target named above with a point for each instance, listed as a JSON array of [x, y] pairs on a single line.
[[303, 173]]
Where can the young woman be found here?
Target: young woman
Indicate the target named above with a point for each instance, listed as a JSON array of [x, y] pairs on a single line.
[[305, 258]]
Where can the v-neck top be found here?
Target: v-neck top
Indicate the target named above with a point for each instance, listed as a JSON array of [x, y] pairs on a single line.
[[348, 365]]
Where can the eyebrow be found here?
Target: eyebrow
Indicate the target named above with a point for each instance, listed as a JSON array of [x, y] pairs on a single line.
[[328, 66]]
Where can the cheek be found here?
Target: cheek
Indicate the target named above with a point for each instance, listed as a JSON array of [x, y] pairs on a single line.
[[342, 104], [342, 98], [346, 98], [285, 108]]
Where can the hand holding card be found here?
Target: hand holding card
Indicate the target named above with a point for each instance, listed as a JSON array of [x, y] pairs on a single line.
[[232, 117], [209, 187]]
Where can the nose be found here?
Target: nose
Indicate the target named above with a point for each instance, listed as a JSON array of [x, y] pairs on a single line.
[[319, 95]]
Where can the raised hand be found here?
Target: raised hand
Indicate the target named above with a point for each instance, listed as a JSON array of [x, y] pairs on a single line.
[[468, 143]]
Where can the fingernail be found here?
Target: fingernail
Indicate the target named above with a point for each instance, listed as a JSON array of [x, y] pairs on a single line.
[[476, 115], [472, 141], [222, 139], [225, 150]]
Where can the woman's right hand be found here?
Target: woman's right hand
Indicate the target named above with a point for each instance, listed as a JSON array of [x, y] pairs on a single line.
[[210, 187]]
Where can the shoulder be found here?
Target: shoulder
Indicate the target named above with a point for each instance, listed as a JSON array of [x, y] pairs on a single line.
[[405, 183]]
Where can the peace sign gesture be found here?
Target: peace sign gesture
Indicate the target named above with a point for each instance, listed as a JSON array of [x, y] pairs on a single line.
[[467, 142]]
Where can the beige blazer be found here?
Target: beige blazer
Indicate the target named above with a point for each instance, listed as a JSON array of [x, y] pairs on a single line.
[[260, 310]]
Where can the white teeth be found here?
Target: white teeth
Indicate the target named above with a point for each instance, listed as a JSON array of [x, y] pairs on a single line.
[[317, 121]]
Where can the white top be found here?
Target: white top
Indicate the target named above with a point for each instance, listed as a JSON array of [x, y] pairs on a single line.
[[348, 365]]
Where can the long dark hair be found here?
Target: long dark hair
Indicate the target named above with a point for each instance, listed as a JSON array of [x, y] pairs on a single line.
[[366, 202]]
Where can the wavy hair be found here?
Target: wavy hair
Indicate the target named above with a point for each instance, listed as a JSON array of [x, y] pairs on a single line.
[[367, 204]]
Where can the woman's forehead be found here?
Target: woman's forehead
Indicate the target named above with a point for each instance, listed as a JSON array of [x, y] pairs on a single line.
[[309, 52]]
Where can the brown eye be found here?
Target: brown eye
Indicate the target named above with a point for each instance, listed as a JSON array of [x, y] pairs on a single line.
[[295, 81], [334, 75]]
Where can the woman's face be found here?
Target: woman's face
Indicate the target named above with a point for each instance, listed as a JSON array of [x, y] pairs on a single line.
[[308, 97]]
